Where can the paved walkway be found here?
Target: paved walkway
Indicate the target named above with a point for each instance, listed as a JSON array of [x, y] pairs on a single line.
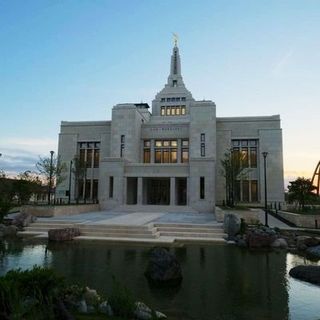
[[136, 218]]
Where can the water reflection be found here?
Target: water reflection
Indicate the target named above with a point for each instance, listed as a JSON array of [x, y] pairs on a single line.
[[219, 282]]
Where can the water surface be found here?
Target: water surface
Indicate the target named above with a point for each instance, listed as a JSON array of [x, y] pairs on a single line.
[[219, 282]]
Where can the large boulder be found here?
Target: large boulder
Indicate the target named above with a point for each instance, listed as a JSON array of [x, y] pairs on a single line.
[[261, 237], [163, 267], [314, 251], [280, 243], [143, 312], [306, 273], [303, 242], [231, 224], [63, 234], [23, 219]]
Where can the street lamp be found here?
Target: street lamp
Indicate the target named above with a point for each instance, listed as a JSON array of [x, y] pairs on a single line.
[[70, 170], [265, 187], [50, 177]]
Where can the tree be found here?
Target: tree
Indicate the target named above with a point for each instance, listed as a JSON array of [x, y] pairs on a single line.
[[7, 195], [300, 191], [232, 170], [27, 184], [79, 171], [57, 171]]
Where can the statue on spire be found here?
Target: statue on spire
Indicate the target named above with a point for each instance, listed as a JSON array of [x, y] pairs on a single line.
[[175, 39]]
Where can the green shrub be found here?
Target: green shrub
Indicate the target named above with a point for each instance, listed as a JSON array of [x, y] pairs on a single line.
[[121, 300], [29, 294]]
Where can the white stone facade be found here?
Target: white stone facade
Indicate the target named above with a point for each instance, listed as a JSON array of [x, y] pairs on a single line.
[[171, 156]]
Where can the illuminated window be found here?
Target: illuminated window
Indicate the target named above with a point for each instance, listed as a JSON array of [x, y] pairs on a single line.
[[146, 156], [163, 111], [165, 151], [183, 110]]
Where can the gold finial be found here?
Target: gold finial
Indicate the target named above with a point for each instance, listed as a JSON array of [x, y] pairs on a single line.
[[175, 39]]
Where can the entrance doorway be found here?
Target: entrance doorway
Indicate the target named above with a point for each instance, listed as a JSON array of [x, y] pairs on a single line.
[[132, 188], [181, 191], [156, 191]]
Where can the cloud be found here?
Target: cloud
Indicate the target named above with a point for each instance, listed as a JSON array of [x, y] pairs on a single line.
[[21, 154]]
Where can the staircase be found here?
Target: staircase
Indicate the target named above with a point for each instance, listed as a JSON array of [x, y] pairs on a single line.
[[192, 232], [153, 233]]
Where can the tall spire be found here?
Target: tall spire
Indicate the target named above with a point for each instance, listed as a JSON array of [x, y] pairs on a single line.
[[175, 78]]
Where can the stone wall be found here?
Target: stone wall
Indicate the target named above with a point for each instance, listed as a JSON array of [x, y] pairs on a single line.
[[301, 220], [54, 211]]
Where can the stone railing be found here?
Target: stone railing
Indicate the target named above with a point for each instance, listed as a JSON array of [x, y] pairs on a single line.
[[301, 220], [53, 211]]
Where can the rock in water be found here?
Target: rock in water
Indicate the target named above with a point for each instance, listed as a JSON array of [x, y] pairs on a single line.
[[279, 243], [23, 220], [306, 273], [231, 224], [314, 251], [163, 268], [261, 237], [63, 234]]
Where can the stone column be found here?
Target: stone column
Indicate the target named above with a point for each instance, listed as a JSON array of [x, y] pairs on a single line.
[[172, 191], [139, 192], [179, 151], [152, 151]]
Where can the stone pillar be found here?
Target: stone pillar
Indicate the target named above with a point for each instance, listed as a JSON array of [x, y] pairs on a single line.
[[152, 151], [179, 151], [172, 191], [139, 193]]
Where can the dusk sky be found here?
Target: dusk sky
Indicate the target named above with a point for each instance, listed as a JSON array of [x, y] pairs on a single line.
[[74, 60]]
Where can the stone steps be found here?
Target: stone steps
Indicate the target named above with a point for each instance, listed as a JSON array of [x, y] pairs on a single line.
[[153, 233]]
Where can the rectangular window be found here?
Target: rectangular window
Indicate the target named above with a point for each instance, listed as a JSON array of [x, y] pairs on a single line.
[[95, 189], [168, 111], [203, 150], [178, 110], [184, 155], [237, 192], [202, 137], [245, 190], [254, 191], [89, 158], [173, 156], [96, 158], [157, 158], [185, 143], [88, 189], [173, 143], [253, 157], [146, 143], [110, 187], [202, 188], [165, 156], [122, 140], [146, 156], [183, 110], [244, 157], [163, 111], [82, 157], [158, 143], [183, 99], [173, 111]]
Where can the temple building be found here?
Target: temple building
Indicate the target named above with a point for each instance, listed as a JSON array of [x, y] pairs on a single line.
[[171, 155]]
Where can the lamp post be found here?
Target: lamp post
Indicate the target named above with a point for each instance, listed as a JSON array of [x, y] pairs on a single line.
[[265, 187], [50, 176], [70, 170]]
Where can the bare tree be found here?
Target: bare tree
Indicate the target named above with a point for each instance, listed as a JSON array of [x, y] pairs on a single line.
[[79, 170]]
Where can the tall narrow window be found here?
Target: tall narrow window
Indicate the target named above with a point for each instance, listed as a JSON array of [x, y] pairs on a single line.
[[89, 158], [96, 158], [184, 151], [146, 151], [202, 145], [254, 191], [183, 110], [244, 157], [253, 157], [110, 187], [122, 145], [202, 190], [163, 111], [245, 190], [95, 189]]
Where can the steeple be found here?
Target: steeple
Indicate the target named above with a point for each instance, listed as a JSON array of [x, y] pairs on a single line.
[[175, 78]]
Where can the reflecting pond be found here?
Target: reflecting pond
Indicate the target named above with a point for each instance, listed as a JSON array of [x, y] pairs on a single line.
[[219, 282]]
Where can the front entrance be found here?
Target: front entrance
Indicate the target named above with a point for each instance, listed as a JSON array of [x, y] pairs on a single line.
[[181, 191], [156, 191]]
